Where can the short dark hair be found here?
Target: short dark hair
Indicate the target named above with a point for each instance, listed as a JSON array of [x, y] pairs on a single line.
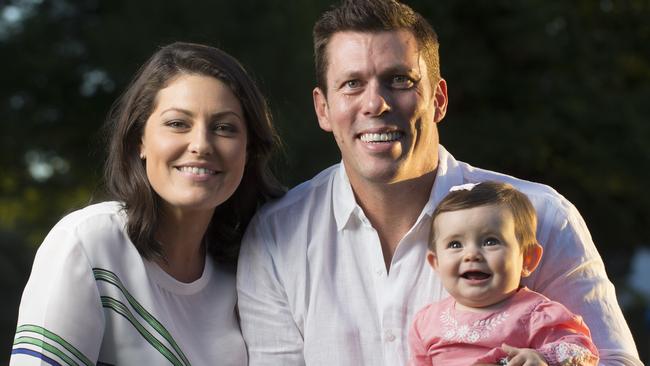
[[373, 16], [125, 176], [493, 193]]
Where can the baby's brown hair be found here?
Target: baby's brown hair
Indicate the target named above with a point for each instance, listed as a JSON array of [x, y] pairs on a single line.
[[492, 193]]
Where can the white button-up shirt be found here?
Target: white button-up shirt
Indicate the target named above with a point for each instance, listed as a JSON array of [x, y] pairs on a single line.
[[313, 287]]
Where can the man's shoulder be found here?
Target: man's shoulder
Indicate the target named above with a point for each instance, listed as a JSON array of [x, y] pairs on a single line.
[[462, 172], [306, 196], [538, 193]]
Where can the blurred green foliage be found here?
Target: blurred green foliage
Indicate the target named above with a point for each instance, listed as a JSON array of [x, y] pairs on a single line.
[[556, 92]]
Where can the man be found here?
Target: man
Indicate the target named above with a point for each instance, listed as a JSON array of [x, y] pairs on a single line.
[[333, 273]]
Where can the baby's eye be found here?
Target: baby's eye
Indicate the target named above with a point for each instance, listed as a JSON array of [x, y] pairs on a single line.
[[454, 245], [491, 242]]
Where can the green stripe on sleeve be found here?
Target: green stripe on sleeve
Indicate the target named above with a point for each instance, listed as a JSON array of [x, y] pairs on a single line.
[[46, 346], [52, 336]]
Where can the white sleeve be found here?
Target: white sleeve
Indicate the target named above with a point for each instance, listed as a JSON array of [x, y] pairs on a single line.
[[572, 273], [269, 329], [61, 320]]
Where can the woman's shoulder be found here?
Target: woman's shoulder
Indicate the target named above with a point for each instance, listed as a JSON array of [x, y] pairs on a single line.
[[92, 214], [94, 229]]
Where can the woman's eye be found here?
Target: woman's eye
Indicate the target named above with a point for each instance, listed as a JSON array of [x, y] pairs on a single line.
[[454, 245], [491, 242], [177, 123], [225, 129]]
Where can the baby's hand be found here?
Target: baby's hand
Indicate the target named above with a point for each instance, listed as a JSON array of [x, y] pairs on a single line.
[[523, 356]]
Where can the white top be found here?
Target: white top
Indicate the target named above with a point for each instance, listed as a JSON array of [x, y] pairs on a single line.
[[313, 287], [92, 299]]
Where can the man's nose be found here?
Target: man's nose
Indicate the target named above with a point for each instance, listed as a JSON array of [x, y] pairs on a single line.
[[376, 100]]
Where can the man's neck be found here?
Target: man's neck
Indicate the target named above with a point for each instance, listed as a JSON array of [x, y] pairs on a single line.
[[393, 208]]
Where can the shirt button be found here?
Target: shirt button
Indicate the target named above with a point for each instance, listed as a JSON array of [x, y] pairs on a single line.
[[390, 336], [379, 272]]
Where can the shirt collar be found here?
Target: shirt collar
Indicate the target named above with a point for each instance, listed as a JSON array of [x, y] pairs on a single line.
[[449, 174], [345, 205], [343, 198]]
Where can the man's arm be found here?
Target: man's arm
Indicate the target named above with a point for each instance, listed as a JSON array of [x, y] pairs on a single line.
[[572, 273], [271, 334]]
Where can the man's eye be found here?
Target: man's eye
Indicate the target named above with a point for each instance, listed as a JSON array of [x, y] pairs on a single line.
[[402, 82], [491, 241], [454, 245], [352, 84]]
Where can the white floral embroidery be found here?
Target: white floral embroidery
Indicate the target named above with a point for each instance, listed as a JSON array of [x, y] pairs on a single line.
[[469, 333], [567, 354]]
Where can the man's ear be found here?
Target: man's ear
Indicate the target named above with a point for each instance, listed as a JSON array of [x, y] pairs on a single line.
[[531, 259], [432, 259], [440, 100], [320, 106]]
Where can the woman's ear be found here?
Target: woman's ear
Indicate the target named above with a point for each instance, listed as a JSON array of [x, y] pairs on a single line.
[[432, 259], [531, 259], [143, 156]]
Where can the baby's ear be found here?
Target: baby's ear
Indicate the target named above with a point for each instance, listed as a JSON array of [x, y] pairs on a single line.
[[432, 259], [531, 259]]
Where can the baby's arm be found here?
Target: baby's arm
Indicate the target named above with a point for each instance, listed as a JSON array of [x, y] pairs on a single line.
[[561, 337]]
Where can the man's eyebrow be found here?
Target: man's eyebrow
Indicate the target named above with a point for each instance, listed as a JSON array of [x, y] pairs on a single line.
[[402, 69], [349, 74]]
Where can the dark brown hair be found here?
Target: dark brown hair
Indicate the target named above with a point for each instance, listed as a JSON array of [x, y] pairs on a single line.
[[125, 176], [493, 193], [373, 16]]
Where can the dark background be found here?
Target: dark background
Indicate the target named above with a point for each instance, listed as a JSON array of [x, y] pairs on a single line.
[[552, 91]]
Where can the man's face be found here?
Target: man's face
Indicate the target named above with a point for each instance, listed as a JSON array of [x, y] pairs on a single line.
[[381, 106]]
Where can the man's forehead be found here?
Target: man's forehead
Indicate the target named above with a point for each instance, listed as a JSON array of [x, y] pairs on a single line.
[[400, 40], [388, 49]]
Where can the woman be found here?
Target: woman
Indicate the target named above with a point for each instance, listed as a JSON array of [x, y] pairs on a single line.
[[148, 279]]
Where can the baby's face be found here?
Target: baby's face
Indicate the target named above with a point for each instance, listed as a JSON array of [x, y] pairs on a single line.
[[477, 255]]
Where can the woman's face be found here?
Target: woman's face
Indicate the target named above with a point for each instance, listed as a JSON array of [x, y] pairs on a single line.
[[194, 144]]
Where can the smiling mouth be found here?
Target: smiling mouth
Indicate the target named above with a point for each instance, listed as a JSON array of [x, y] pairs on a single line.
[[196, 170], [381, 137], [475, 275]]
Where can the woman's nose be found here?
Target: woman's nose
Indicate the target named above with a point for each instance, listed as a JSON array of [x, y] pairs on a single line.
[[200, 142]]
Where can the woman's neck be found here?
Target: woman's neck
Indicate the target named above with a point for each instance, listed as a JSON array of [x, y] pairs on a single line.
[[181, 236]]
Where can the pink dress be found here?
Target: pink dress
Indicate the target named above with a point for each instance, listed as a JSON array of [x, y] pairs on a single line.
[[442, 335]]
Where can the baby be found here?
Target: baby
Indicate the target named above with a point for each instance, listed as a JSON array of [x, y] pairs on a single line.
[[482, 243]]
